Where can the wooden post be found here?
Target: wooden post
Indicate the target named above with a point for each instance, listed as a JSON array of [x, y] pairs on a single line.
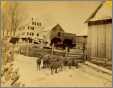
[[52, 49], [66, 54], [83, 51]]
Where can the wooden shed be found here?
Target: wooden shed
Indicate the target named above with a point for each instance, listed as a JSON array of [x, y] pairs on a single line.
[[99, 43], [60, 38], [80, 40], [56, 31]]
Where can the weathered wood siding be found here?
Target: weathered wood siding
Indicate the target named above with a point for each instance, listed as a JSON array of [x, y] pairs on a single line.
[[109, 41], [99, 43], [55, 30], [80, 40]]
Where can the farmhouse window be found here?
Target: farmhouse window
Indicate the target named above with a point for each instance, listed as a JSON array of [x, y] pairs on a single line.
[[37, 34], [59, 34]]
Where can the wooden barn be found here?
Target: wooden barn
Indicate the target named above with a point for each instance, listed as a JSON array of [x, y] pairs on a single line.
[[59, 37], [56, 31], [80, 40], [100, 34]]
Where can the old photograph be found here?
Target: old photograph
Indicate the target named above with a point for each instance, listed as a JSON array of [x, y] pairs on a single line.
[[56, 43]]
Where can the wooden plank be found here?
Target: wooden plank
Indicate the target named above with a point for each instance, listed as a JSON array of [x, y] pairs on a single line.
[[109, 41], [99, 68], [89, 40], [101, 41], [94, 41]]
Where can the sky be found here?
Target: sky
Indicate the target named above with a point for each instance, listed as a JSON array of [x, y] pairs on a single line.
[[71, 15]]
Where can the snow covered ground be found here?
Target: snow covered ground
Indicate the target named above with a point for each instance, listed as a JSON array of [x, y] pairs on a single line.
[[82, 77]]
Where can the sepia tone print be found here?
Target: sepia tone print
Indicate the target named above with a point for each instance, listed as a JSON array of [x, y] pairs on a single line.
[[56, 43]]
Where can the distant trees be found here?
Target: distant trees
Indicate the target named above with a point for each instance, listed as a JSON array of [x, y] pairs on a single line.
[[11, 17]]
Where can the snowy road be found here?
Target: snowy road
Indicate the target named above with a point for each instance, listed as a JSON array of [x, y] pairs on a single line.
[[84, 76]]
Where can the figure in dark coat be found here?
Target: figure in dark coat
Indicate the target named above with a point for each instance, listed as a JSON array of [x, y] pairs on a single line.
[[38, 62]]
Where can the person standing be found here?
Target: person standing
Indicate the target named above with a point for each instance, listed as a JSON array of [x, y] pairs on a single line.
[[38, 62]]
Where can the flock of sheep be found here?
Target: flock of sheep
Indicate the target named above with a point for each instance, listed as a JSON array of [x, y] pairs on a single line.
[[56, 63]]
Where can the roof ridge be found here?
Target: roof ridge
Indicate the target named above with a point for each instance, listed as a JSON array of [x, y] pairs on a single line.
[[96, 10]]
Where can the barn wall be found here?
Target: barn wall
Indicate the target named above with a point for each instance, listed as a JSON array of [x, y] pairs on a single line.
[[99, 43], [109, 41], [54, 32], [101, 38], [80, 40]]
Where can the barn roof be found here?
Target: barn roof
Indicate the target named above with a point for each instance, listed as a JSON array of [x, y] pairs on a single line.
[[103, 12], [57, 27], [68, 35], [51, 26]]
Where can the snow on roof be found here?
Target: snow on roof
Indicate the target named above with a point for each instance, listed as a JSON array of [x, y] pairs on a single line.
[[50, 27], [104, 11]]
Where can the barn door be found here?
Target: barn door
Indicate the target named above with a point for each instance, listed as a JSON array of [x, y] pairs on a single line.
[[89, 43], [109, 41], [101, 41], [92, 41]]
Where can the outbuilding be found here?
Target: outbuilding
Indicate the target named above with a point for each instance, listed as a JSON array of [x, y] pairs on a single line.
[[99, 43]]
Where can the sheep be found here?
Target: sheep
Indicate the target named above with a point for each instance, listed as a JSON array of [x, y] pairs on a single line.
[[45, 59], [56, 62], [71, 61]]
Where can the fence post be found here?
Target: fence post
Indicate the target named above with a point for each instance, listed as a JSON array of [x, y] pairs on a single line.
[[52, 49], [83, 51], [66, 51]]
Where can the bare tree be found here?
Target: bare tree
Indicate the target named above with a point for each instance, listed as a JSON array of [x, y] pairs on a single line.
[[11, 18], [15, 17]]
